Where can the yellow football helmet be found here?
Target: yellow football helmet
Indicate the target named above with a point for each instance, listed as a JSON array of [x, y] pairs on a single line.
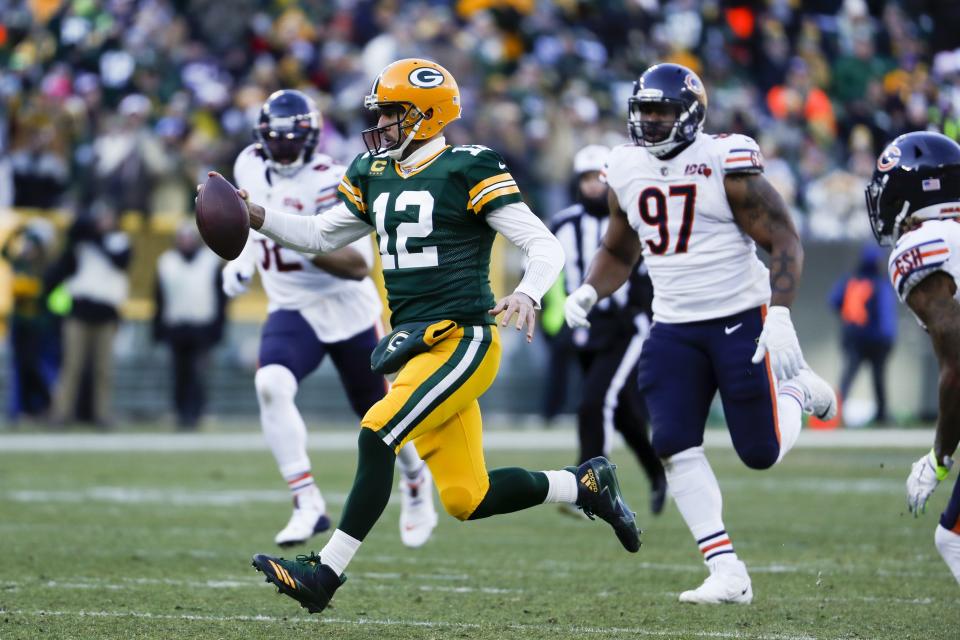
[[428, 96]]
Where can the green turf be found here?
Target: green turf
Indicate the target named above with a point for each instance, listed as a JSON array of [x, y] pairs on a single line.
[[832, 553]]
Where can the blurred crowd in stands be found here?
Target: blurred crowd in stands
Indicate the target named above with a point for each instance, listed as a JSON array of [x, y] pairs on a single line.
[[133, 100]]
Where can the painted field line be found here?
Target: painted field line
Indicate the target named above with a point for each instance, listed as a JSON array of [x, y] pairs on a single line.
[[173, 496], [181, 497], [429, 624], [493, 440]]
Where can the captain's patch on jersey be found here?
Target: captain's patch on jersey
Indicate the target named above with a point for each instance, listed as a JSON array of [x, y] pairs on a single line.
[[910, 264]]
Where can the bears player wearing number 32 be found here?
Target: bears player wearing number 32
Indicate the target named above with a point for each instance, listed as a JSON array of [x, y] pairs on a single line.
[[318, 305], [696, 205], [436, 209]]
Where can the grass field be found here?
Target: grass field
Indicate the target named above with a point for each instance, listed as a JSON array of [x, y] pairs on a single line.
[[158, 545]]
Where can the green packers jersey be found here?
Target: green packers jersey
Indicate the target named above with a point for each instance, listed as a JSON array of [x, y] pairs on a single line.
[[431, 229]]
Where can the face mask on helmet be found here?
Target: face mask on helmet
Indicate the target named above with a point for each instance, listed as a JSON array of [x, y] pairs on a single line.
[[660, 125], [392, 138], [287, 142]]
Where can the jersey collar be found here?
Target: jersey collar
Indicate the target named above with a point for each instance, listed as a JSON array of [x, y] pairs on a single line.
[[419, 159]]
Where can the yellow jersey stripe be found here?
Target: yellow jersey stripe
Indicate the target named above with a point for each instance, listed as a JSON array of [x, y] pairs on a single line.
[[483, 184], [494, 194], [493, 187], [357, 202], [346, 181]]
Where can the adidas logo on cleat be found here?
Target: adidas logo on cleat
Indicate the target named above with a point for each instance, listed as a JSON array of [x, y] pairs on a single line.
[[589, 480]]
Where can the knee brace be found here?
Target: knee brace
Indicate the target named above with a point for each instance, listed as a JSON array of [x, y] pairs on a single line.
[[275, 383]]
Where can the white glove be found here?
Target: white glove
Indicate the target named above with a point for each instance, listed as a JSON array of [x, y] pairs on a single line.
[[779, 339], [925, 475], [235, 278], [578, 305]]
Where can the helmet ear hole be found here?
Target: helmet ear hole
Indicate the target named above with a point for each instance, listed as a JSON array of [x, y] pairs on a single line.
[[428, 115]]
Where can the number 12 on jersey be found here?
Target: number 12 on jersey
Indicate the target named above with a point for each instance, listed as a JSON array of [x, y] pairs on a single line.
[[653, 211], [402, 257]]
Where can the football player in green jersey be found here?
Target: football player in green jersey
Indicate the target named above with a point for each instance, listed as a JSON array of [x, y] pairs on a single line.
[[435, 209]]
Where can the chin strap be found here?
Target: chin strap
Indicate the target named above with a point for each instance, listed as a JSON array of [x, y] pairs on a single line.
[[397, 152]]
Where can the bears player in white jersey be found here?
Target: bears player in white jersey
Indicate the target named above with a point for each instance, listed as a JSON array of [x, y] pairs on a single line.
[[318, 305], [913, 202], [696, 206]]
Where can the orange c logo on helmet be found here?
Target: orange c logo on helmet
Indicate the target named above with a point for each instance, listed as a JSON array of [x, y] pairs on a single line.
[[889, 158], [692, 82], [425, 77]]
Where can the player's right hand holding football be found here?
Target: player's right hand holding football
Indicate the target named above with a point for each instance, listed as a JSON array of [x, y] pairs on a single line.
[[578, 306], [925, 474]]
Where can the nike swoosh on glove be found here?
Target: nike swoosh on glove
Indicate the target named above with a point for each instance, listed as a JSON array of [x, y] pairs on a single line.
[[578, 306], [235, 279], [779, 339]]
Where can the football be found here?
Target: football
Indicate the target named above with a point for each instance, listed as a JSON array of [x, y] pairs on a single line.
[[222, 217]]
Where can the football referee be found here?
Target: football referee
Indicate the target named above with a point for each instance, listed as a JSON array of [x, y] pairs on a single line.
[[608, 352]]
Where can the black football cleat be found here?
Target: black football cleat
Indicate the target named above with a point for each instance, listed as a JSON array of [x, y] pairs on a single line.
[[305, 579], [598, 494]]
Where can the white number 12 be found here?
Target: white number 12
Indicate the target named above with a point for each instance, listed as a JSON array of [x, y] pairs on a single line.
[[423, 227]]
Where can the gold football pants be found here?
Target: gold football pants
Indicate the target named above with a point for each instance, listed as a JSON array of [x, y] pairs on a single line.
[[433, 402]]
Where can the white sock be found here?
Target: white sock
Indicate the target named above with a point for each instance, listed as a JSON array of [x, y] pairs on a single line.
[[285, 431], [696, 492], [562, 487], [339, 550], [948, 544], [409, 461], [790, 415]]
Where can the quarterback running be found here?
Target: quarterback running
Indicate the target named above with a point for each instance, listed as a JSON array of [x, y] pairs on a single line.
[[696, 206], [318, 305], [913, 202], [436, 209]]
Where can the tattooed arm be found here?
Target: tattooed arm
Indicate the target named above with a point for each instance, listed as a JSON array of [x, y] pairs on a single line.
[[932, 300], [761, 213]]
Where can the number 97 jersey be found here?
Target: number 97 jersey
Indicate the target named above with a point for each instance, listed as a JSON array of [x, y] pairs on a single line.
[[702, 265]]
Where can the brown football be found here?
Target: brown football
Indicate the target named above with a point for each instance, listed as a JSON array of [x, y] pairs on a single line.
[[222, 217]]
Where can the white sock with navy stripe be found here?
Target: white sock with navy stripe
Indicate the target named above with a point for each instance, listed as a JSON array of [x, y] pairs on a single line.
[[695, 490], [790, 415]]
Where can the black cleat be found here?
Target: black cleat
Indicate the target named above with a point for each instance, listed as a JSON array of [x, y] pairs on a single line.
[[598, 494], [305, 579]]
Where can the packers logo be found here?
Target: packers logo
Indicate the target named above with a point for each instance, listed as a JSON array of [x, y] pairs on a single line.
[[425, 77], [889, 158], [589, 480], [693, 83], [377, 166], [397, 340]]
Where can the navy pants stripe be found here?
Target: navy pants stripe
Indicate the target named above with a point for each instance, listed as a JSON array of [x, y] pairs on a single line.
[[950, 519], [684, 365], [288, 339]]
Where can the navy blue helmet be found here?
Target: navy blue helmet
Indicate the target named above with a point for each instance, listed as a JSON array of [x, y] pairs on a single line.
[[916, 172], [287, 130], [676, 95]]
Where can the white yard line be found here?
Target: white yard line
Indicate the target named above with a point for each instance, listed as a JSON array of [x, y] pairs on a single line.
[[493, 440], [429, 624], [180, 497]]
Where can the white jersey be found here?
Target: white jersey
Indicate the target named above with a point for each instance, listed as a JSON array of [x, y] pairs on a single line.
[[336, 308], [933, 246], [702, 265]]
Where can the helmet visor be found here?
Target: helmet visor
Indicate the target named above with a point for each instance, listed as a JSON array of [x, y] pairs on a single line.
[[284, 143]]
